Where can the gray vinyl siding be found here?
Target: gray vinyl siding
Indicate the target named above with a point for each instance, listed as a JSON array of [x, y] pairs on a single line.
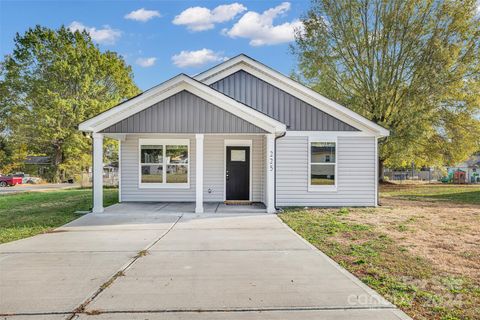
[[214, 155], [214, 162], [130, 171], [183, 112], [356, 173], [278, 104]]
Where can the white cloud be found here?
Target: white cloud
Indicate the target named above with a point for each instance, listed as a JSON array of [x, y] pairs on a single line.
[[201, 18], [197, 58], [259, 28], [107, 35], [142, 15], [146, 62]]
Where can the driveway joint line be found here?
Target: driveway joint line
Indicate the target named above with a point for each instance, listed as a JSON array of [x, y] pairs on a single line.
[[266, 309], [232, 310], [48, 313], [66, 252], [106, 230], [109, 282]]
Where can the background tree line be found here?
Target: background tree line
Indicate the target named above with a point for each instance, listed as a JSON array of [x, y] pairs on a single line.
[[412, 66], [52, 81]]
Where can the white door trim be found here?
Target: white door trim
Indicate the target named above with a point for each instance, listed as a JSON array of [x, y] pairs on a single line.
[[236, 143]]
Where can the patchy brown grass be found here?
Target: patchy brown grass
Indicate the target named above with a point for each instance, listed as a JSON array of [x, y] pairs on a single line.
[[447, 234], [424, 256]]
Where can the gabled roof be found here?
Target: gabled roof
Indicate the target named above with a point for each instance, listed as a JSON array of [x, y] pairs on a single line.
[[243, 62], [200, 86], [171, 87]]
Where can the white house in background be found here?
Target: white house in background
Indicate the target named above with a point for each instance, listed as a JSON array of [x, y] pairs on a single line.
[[239, 131]]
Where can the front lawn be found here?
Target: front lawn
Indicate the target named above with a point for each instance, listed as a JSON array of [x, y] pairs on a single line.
[[421, 255], [26, 214], [434, 192]]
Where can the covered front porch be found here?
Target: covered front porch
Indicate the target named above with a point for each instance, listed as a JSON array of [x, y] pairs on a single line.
[[174, 140], [191, 172]]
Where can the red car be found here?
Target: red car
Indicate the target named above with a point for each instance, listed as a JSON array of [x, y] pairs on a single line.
[[6, 181]]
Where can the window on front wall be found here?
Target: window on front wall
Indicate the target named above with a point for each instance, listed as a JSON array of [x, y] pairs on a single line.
[[322, 164], [164, 164], [151, 164]]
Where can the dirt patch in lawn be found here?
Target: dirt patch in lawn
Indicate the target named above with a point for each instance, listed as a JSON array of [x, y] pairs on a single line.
[[447, 234], [422, 256]]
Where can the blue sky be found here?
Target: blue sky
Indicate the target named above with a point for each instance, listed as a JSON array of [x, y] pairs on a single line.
[[160, 39]]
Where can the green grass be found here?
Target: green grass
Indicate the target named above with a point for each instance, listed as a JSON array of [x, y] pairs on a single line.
[[408, 281], [26, 214], [449, 193]]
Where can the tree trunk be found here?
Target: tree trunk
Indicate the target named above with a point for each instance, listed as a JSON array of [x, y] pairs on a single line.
[[380, 169], [57, 160]]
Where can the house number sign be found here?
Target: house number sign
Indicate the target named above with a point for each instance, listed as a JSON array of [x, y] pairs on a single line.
[[270, 161]]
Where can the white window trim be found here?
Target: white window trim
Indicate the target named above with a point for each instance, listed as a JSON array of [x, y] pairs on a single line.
[[163, 142], [316, 188], [236, 143]]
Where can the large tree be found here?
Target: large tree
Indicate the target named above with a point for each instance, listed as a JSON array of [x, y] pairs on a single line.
[[52, 81], [411, 66]]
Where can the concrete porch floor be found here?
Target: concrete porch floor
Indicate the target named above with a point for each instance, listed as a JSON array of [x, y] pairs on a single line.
[[184, 207]]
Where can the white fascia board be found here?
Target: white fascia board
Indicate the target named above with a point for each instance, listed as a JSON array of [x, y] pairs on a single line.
[[171, 87], [298, 90], [220, 68], [329, 134]]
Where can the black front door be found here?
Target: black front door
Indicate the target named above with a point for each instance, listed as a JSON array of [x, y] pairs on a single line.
[[238, 173]]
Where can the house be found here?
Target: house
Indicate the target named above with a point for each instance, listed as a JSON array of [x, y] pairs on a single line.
[[466, 172], [239, 131], [37, 165]]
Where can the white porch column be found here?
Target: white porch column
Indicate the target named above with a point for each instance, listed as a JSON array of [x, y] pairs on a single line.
[[199, 173], [97, 173], [270, 173]]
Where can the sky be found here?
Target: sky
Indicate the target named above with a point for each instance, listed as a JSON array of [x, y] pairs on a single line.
[[161, 39]]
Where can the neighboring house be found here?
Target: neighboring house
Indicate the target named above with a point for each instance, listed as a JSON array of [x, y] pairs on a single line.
[[239, 131], [37, 165], [470, 170]]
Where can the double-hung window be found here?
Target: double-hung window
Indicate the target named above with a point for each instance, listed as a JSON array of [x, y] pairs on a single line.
[[164, 163], [322, 167]]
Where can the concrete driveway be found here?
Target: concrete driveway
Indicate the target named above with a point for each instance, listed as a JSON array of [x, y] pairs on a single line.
[[135, 263]]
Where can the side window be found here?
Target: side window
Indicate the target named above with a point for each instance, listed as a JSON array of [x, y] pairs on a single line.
[[322, 164]]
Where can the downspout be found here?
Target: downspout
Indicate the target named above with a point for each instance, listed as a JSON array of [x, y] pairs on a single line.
[[275, 175]]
